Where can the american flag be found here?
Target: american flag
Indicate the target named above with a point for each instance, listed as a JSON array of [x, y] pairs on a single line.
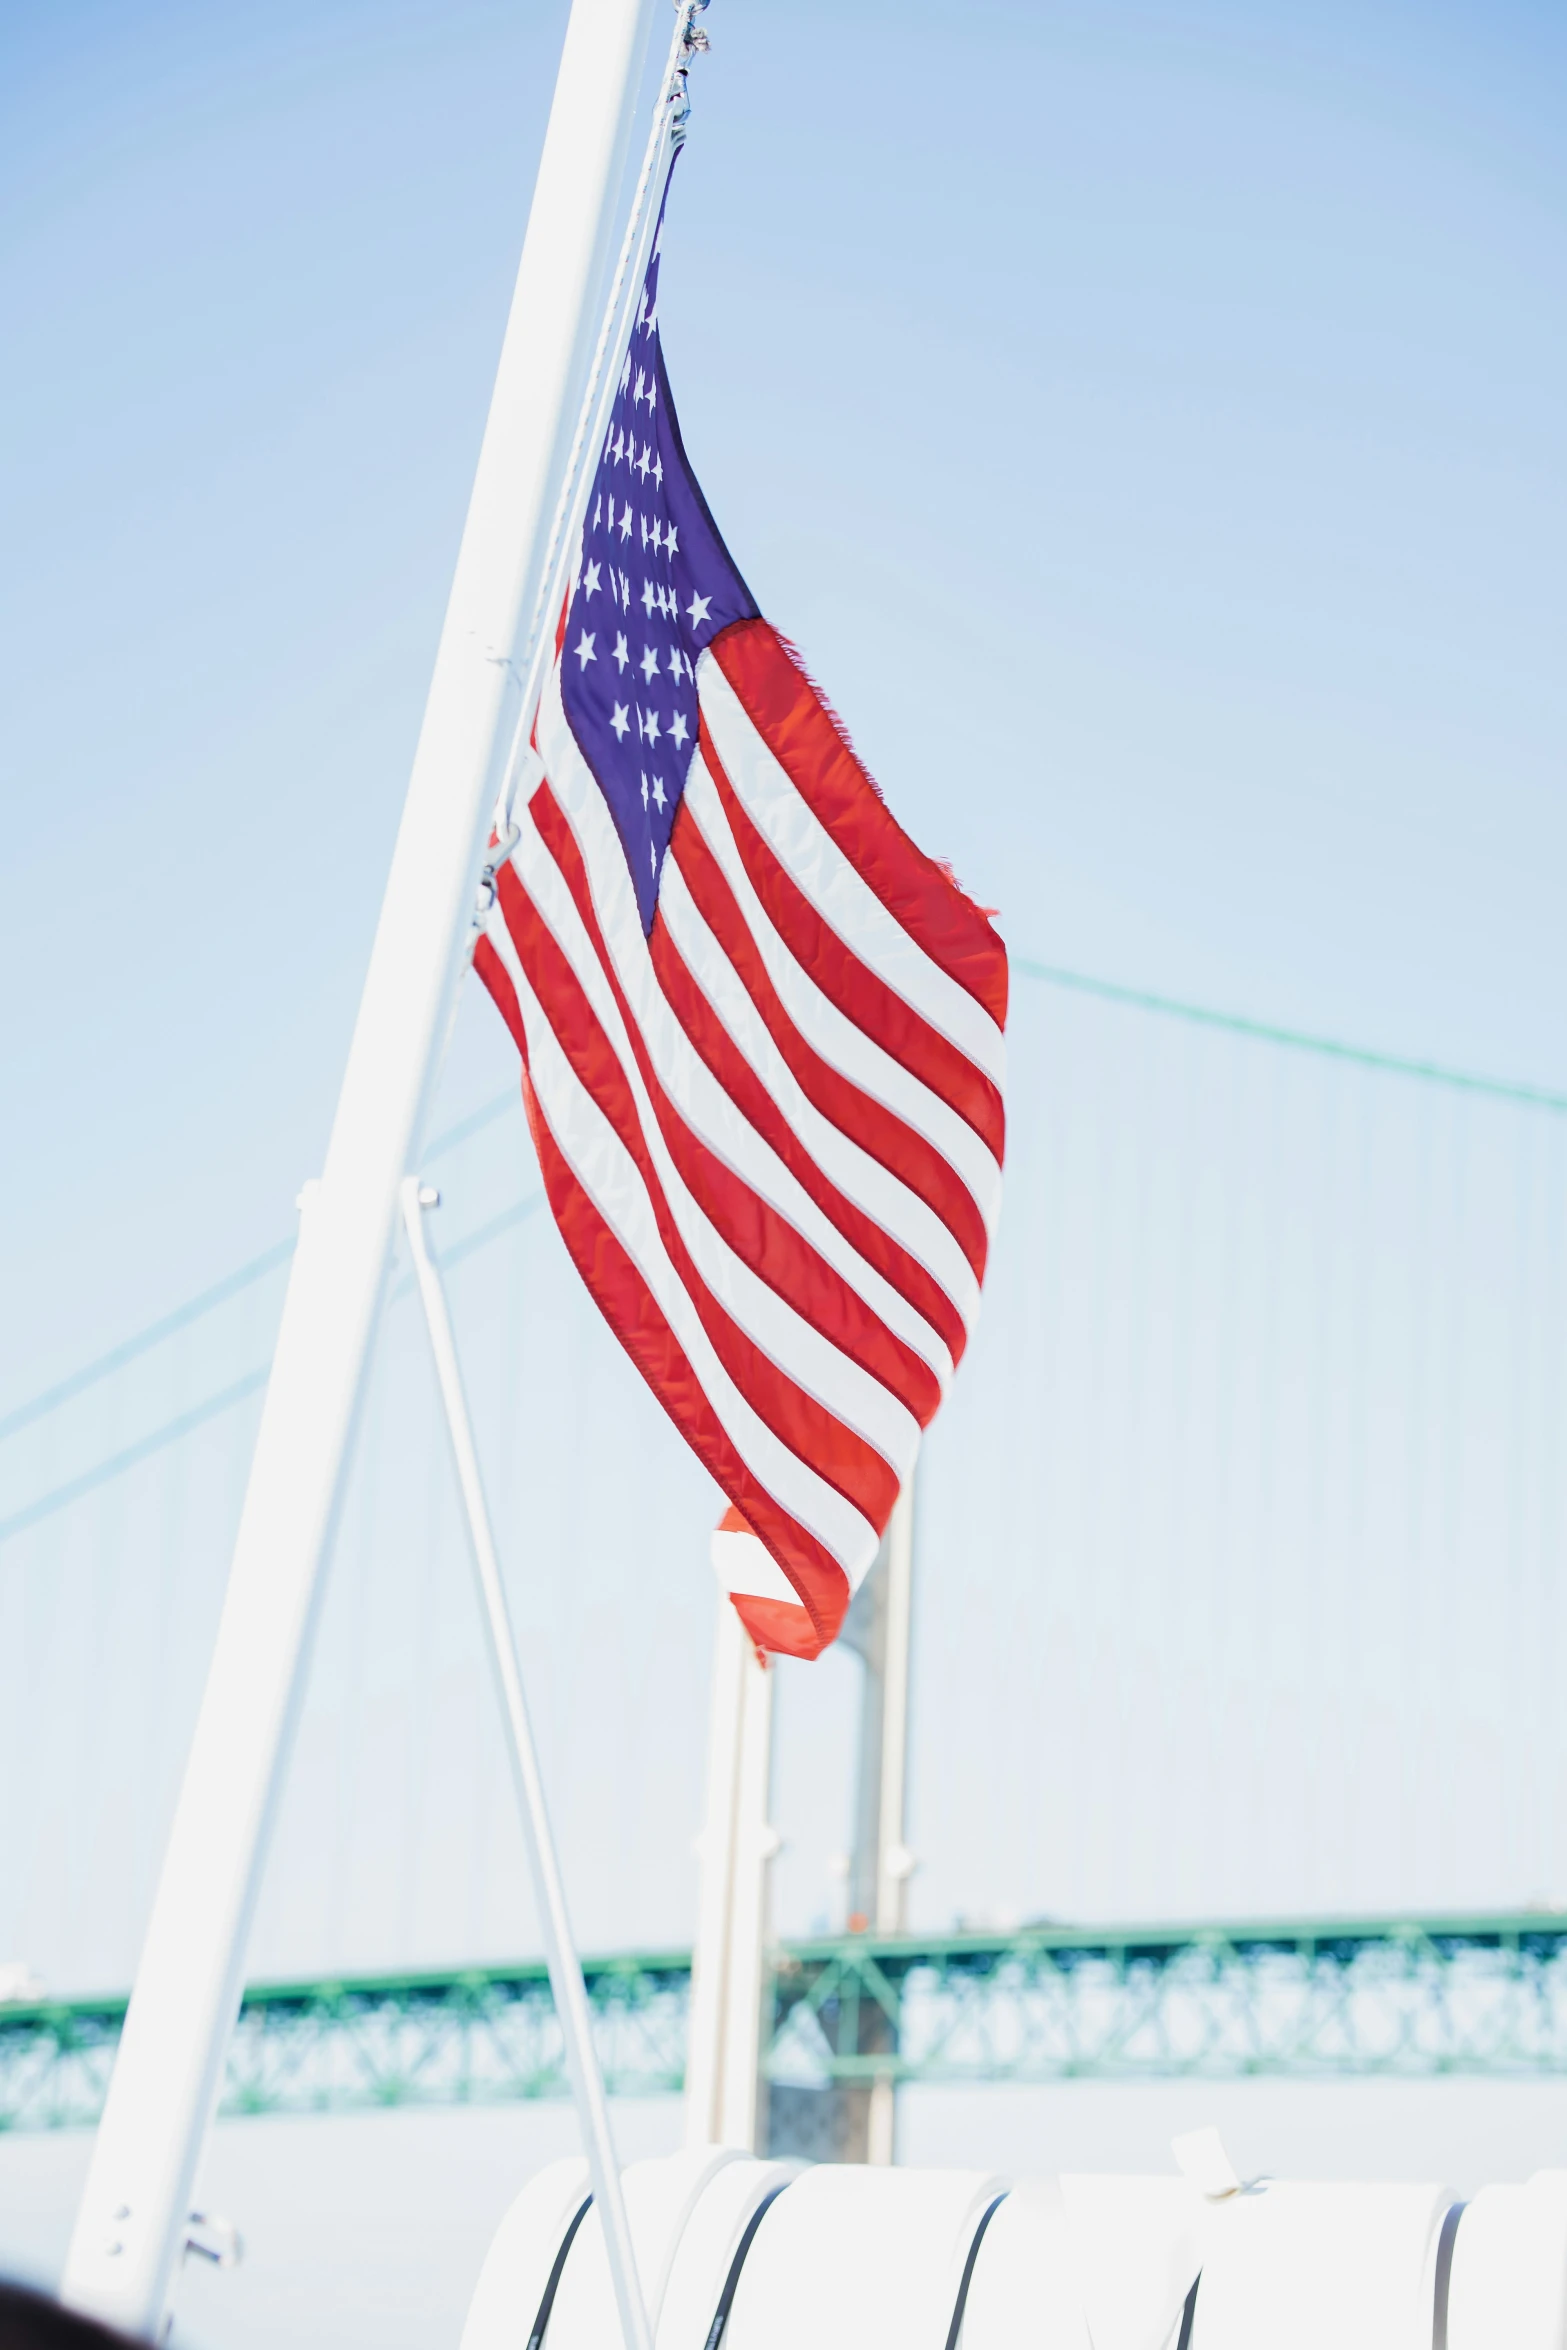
[[761, 1036]]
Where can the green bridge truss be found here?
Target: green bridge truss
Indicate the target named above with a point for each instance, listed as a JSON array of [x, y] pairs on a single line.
[[1317, 1999]]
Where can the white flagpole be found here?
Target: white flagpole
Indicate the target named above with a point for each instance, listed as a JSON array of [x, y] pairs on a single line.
[[571, 1998], [131, 2226]]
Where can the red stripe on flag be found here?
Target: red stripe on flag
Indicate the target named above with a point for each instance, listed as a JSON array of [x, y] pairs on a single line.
[[800, 731], [709, 1037], [497, 979], [773, 1624], [880, 1132], [839, 1455], [632, 1312], [760, 1236], [874, 1007]]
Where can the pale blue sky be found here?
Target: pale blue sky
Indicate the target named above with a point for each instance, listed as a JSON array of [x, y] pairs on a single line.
[[1149, 419], [1150, 422]]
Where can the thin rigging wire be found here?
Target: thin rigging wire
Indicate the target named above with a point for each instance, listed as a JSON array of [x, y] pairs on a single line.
[[1236, 1023], [1300, 1040], [208, 1300], [212, 1406]]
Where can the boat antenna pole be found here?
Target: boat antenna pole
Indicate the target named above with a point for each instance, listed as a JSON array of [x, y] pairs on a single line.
[[131, 2227]]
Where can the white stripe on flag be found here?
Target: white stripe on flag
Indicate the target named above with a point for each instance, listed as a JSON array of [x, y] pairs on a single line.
[[692, 1088], [830, 1032], [872, 1187], [845, 901], [610, 1177], [793, 1343], [864, 1181], [746, 1568]]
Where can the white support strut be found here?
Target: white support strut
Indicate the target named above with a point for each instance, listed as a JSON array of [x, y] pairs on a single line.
[[729, 1961], [893, 1859], [560, 1950], [131, 2226]]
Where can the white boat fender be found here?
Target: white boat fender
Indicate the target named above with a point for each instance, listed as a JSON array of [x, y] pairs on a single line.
[[1297, 2263], [726, 2298], [1024, 2287], [854, 2255], [521, 2272], [541, 2322], [960, 2306], [1507, 2279], [1137, 2246], [715, 2243], [662, 2196]]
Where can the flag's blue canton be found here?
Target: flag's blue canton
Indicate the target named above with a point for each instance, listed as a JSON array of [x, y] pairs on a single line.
[[655, 584]]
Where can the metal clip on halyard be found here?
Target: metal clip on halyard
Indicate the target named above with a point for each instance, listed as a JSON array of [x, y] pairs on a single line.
[[495, 856], [671, 113]]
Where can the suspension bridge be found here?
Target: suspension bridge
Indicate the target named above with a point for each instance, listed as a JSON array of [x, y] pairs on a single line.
[[1321, 1999], [1238, 1600]]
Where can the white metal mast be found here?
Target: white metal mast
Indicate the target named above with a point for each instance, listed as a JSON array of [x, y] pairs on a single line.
[[130, 2230]]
